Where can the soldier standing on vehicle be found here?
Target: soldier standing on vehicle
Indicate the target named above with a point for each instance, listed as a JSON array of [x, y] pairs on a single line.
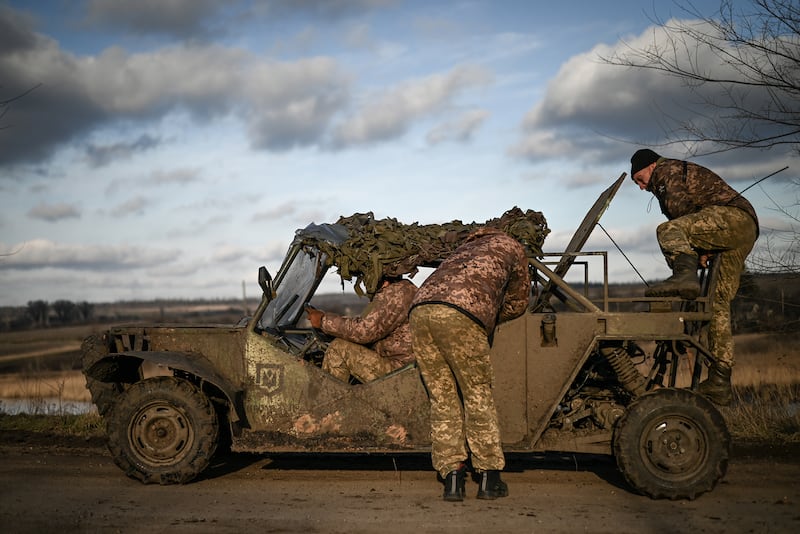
[[706, 217], [485, 281], [374, 344]]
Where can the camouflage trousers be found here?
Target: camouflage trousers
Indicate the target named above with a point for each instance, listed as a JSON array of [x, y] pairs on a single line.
[[729, 234], [453, 354], [344, 358]]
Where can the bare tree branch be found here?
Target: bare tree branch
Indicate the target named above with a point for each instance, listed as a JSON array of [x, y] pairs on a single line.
[[780, 248], [742, 66], [5, 105], [748, 94]]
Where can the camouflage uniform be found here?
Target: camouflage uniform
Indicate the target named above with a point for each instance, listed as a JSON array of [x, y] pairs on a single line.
[[376, 343], [706, 216], [483, 282]]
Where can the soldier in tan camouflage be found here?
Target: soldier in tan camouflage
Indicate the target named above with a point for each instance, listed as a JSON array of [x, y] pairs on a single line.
[[374, 344], [483, 282], [706, 218]]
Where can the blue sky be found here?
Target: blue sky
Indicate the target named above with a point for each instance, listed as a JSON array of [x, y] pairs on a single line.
[[169, 148]]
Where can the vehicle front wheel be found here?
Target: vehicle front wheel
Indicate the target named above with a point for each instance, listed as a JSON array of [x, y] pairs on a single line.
[[672, 444], [104, 394], [162, 430]]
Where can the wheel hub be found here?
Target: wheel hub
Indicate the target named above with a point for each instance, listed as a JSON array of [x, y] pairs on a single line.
[[160, 434], [674, 445]]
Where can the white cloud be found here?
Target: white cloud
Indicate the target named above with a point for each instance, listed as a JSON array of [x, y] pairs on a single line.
[[229, 253], [182, 18], [132, 206], [285, 104], [598, 111], [325, 9], [101, 155], [543, 143], [459, 129], [283, 210], [389, 114], [54, 212], [203, 78], [291, 104], [180, 176], [41, 253]]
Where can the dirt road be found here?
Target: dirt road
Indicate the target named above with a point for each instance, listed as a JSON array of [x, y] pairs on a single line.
[[77, 488]]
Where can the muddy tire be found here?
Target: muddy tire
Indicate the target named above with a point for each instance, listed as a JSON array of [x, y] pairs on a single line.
[[104, 394], [672, 444], [162, 430]]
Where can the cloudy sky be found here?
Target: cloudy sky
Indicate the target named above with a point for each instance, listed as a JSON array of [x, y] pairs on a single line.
[[167, 148]]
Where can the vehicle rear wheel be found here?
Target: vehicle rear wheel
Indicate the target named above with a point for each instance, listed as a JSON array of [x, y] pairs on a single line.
[[672, 444], [162, 430]]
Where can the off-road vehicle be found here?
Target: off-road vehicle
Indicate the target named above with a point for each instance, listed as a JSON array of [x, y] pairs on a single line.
[[576, 373]]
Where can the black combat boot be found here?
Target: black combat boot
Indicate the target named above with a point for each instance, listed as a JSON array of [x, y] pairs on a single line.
[[491, 487], [454, 484], [717, 387], [682, 283]]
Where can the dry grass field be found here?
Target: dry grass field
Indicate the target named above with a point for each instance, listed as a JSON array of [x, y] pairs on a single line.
[[40, 369], [43, 363], [767, 359]]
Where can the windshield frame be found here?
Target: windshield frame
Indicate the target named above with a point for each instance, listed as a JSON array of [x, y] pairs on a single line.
[[295, 284]]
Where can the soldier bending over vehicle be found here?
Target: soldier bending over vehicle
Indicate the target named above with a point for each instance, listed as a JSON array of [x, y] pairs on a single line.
[[483, 282]]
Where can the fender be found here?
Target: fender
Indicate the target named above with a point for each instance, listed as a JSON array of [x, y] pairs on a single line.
[[124, 367]]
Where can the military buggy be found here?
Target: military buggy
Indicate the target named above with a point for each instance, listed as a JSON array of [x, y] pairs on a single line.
[[576, 373]]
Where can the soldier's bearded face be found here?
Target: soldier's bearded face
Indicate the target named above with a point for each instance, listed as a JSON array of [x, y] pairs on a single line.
[[642, 178]]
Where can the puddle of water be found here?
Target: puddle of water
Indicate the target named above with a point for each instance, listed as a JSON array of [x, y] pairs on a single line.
[[45, 406]]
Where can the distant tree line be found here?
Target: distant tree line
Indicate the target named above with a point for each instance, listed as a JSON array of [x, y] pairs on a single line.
[[764, 303], [66, 312]]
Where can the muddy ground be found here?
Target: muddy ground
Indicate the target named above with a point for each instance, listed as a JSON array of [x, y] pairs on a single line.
[[70, 485]]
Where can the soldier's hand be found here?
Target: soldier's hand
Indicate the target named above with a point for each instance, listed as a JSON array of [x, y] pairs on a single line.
[[315, 316]]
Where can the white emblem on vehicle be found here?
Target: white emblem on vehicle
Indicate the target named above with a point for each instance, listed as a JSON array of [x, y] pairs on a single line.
[[269, 376]]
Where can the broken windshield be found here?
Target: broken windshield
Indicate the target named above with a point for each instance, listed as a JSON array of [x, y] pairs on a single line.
[[301, 273], [294, 287]]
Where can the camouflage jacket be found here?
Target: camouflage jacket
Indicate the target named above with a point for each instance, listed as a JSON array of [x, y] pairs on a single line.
[[681, 192], [383, 326], [486, 278]]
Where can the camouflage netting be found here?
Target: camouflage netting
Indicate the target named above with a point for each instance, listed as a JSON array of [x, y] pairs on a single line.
[[386, 247]]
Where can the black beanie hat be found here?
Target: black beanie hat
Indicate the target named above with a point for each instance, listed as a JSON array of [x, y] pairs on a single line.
[[641, 159]]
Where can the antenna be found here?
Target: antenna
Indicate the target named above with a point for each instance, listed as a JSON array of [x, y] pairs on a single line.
[[624, 255]]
